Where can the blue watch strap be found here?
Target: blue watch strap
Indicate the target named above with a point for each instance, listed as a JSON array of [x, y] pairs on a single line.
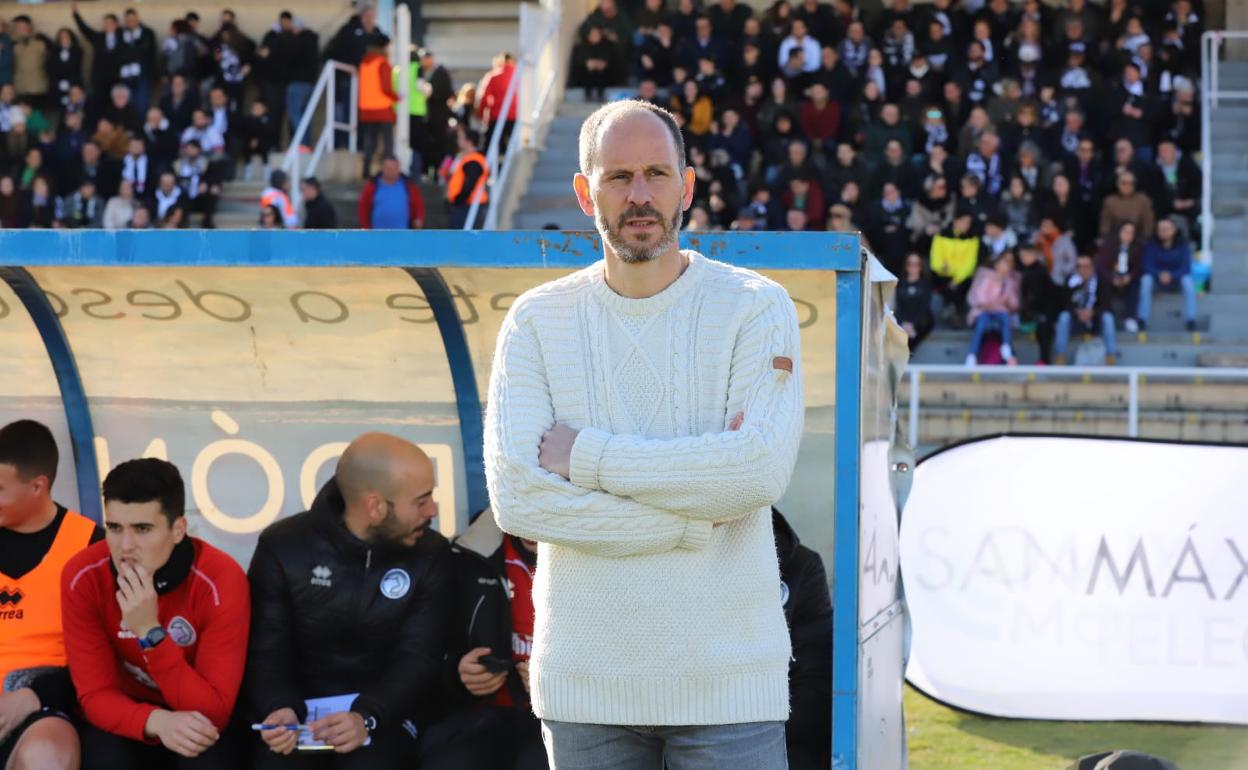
[[153, 638]]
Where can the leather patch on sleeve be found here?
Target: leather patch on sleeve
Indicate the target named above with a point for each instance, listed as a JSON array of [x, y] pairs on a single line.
[[782, 363]]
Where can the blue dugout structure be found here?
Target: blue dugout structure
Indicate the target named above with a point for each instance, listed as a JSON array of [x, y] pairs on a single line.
[[143, 328]]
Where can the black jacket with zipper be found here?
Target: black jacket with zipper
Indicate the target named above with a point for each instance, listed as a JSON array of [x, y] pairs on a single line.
[[333, 615], [808, 610], [480, 610]]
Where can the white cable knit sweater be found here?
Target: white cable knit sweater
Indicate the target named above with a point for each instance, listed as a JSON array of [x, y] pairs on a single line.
[[647, 614]]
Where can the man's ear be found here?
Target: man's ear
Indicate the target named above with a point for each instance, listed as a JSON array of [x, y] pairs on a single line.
[[179, 529], [580, 185], [375, 504], [688, 179], [42, 484]]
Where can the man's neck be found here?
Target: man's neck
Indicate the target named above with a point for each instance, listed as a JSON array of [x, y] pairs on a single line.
[[38, 521], [645, 279]]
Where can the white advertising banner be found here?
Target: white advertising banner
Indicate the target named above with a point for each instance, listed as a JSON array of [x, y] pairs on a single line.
[[1081, 579]]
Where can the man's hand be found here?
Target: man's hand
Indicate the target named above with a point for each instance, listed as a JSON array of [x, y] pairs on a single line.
[[1085, 315], [522, 668], [344, 731], [15, 707], [1165, 277], [188, 733], [555, 453], [281, 741], [476, 679], [137, 598]]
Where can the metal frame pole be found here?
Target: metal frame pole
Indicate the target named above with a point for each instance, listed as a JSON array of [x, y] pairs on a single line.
[[1208, 90], [915, 379], [403, 58], [1133, 404], [353, 112]]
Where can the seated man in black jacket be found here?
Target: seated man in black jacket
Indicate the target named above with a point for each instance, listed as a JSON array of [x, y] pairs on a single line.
[[808, 610], [1089, 308], [486, 671], [348, 599]]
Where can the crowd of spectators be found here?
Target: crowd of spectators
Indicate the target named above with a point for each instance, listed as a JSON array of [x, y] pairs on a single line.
[[951, 134], [111, 125]]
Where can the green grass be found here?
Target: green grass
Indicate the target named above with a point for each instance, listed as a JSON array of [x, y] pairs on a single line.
[[942, 738]]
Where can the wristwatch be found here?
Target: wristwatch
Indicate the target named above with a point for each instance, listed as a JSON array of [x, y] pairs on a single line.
[[153, 638], [370, 723]]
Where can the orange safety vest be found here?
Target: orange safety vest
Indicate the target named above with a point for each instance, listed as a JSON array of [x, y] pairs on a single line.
[[372, 95], [456, 182], [30, 606]]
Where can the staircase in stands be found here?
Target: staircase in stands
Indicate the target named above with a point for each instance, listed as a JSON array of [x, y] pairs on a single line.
[[464, 35]]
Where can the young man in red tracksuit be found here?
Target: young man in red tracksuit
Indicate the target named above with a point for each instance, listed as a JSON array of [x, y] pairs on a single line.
[[156, 627]]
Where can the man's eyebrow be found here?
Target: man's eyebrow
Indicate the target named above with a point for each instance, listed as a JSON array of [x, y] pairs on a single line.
[[652, 167]]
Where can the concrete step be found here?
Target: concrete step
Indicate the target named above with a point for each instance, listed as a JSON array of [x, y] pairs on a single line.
[[1078, 392], [551, 188], [1225, 177], [940, 426], [467, 34], [567, 218], [436, 11], [1132, 352], [551, 172], [1234, 282]]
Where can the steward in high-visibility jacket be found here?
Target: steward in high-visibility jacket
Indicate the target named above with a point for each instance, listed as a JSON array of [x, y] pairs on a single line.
[[38, 537], [466, 182], [377, 96]]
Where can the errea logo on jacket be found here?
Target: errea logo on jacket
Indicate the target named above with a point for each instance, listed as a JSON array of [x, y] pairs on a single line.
[[321, 575]]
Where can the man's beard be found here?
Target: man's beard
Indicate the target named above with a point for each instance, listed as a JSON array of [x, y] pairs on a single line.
[[390, 532], [647, 250]]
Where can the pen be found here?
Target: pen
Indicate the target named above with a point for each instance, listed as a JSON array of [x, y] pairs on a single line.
[[274, 727]]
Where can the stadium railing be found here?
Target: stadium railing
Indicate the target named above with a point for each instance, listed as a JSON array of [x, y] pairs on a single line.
[[1211, 48], [323, 94], [529, 65], [1131, 376]]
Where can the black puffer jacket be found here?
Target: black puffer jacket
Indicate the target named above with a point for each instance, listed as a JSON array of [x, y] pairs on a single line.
[[333, 615], [808, 610], [481, 611]]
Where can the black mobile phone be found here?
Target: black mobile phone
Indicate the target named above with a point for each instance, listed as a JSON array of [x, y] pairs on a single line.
[[495, 664]]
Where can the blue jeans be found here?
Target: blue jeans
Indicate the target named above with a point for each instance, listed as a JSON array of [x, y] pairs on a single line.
[[987, 322], [1185, 284], [1066, 321], [297, 96], [750, 746], [140, 94]]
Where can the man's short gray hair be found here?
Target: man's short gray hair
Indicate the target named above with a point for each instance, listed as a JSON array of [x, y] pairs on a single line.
[[594, 126]]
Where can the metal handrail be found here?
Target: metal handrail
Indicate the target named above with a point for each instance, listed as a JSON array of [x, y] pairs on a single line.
[[292, 163], [500, 123], [1210, 94], [1132, 374], [500, 177]]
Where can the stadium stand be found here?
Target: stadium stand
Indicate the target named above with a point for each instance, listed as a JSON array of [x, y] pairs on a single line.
[[79, 85], [1050, 125], [882, 112]]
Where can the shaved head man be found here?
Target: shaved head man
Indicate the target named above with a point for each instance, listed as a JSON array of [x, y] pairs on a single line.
[[350, 598], [387, 485]]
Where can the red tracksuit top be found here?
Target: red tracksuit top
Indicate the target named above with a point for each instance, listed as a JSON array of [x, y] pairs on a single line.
[[198, 667]]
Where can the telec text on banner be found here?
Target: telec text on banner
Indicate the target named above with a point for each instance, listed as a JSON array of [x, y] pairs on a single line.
[[1081, 579]]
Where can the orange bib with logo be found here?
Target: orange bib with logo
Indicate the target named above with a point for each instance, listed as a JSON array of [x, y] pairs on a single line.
[[30, 606]]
